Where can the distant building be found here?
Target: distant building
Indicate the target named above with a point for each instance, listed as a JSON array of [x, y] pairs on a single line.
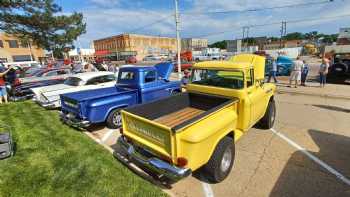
[[285, 44], [193, 44], [344, 36], [79, 54], [233, 45], [122, 46], [12, 50]]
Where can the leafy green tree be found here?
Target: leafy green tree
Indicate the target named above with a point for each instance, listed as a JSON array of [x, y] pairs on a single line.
[[294, 36], [41, 22], [220, 44]]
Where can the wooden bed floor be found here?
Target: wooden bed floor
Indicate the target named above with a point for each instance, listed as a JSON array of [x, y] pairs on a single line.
[[179, 117]]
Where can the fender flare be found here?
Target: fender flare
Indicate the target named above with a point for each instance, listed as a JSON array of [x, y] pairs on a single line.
[[113, 108]]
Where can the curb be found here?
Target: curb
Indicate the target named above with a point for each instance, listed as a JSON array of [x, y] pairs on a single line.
[[313, 94]]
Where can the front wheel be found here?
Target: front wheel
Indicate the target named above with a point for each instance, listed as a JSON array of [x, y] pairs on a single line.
[[221, 161], [268, 120], [114, 119]]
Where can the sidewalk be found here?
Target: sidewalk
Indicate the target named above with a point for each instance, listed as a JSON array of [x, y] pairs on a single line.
[[313, 89]]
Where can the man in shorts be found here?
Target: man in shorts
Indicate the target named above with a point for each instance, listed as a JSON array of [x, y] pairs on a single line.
[[295, 75]]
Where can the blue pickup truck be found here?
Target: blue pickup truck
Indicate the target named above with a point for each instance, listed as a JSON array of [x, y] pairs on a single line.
[[135, 85]]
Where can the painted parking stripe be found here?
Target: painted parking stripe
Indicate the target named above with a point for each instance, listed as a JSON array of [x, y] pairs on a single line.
[[312, 157], [208, 191], [107, 135]]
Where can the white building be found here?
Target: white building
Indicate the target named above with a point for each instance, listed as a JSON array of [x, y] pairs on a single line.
[[82, 54]]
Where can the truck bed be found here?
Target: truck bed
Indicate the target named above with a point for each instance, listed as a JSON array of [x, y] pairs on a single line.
[[179, 117], [181, 110]]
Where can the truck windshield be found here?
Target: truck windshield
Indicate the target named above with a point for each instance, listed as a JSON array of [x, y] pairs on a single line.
[[233, 79], [73, 81]]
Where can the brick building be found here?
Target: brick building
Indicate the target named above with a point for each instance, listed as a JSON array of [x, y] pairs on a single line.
[[122, 46]]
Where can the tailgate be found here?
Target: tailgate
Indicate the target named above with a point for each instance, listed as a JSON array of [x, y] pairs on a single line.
[[148, 133]]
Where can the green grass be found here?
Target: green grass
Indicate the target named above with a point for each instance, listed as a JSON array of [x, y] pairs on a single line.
[[54, 160]]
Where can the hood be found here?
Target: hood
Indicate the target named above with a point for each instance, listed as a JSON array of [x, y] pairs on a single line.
[[56, 87], [164, 69], [284, 60]]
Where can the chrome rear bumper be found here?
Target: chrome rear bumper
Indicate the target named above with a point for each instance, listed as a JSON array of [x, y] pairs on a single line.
[[157, 166], [71, 121]]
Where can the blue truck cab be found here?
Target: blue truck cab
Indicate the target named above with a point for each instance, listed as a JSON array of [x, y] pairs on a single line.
[[284, 65], [135, 85]]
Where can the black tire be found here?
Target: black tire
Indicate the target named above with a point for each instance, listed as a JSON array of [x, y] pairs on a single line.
[[113, 123], [268, 120], [215, 170], [339, 68]]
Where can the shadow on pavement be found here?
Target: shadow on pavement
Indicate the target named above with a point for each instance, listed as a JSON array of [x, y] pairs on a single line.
[[303, 177], [334, 108]]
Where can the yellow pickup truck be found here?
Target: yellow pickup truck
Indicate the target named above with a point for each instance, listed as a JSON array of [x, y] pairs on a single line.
[[173, 137]]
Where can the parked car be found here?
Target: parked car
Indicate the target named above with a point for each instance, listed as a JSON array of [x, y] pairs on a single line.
[[339, 71], [152, 58], [136, 84], [21, 90], [172, 137], [284, 65], [49, 96], [184, 66]]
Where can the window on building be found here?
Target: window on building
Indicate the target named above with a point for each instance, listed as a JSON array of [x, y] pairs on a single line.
[[21, 58], [1, 44], [12, 43]]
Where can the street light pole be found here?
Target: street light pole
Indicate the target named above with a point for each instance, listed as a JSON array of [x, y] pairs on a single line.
[[178, 39]]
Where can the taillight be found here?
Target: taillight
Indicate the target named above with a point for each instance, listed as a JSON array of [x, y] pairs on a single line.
[[181, 161]]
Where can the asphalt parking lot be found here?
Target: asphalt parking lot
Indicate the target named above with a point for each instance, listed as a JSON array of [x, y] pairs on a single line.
[[306, 154]]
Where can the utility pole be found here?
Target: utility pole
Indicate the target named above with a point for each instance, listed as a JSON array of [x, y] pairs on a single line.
[[283, 32], [178, 39], [245, 37]]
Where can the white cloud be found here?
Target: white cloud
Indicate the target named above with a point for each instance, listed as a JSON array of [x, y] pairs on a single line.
[[112, 20]]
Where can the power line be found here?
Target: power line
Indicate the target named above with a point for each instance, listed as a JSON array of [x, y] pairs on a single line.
[[274, 23], [151, 24], [261, 9]]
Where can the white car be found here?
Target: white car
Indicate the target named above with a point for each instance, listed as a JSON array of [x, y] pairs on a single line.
[[49, 96]]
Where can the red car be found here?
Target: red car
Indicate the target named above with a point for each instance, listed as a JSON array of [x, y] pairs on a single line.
[[184, 66]]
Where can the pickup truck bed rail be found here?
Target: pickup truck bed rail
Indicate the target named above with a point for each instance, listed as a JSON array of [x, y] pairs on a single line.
[[181, 110]]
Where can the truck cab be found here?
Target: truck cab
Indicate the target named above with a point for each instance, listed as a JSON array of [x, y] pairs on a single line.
[[135, 85], [197, 129]]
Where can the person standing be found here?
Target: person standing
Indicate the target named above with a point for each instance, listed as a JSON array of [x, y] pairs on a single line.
[[304, 73], [273, 70], [323, 72], [3, 92], [295, 75]]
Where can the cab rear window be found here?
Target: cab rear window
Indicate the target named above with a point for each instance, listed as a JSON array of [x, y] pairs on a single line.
[[127, 76]]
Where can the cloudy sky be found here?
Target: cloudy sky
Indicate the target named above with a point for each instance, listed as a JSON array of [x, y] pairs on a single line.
[[111, 17]]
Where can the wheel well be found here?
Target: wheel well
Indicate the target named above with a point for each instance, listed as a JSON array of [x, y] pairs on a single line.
[[231, 135], [110, 111]]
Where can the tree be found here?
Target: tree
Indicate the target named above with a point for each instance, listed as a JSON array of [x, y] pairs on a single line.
[[220, 44], [294, 36], [40, 22]]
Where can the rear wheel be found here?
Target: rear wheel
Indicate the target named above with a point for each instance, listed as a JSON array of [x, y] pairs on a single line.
[[221, 161], [268, 120], [114, 119]]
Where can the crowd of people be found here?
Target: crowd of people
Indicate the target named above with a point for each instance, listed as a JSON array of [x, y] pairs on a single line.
[[299, 72]]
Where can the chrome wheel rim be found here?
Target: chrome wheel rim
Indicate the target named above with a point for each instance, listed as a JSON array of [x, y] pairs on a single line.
[[117, 119], [226, 160]]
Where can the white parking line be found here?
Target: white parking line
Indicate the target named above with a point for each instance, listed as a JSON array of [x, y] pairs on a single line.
[[312, 157], [107, 135], [208, 192]]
